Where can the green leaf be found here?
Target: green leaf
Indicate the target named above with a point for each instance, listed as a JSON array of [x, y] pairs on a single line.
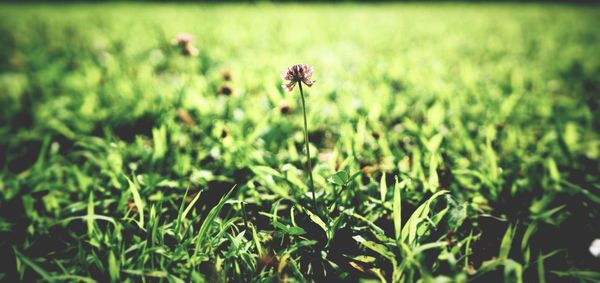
[[190, 205], [506, 242], [113, 267], [266, 176], [256, 240], [513, 267], [383, 187], [433, 180], [378, 248], [159, 140], [553, 170], [291, 230], [209, 222], [588, 275], [316, 219], [137, 199], [434, 143], [409, 230], [33, 266], [540, 269], [397, 210], [340, 178], [90, 214], [264, 170]]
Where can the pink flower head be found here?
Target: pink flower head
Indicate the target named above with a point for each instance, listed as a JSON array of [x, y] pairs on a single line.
[[300, 73], [183, 39]]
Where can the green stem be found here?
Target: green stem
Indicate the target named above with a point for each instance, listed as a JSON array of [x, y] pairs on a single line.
[[312, 185]]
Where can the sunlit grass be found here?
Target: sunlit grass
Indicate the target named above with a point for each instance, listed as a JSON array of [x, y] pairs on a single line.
[[448, 142]]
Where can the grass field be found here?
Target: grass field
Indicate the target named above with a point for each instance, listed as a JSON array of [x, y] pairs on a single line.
[[449, 143]]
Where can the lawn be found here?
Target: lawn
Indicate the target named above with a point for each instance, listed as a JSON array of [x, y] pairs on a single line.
[[448, 143]]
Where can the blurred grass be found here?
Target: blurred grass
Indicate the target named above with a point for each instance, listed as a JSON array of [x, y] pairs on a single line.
[[496, 104]]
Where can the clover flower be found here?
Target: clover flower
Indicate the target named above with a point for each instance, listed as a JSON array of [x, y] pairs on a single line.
[[227, 75], [300, 73], [284, 107], [186, 43], [183, 40], [225, 90]]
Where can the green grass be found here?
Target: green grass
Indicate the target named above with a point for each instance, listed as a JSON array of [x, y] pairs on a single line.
[[449, 142]]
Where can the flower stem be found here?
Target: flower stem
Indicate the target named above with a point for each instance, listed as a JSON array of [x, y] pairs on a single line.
[[312, 185]]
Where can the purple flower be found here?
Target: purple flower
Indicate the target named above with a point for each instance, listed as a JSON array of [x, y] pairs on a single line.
[[300, 73], [183, 40]]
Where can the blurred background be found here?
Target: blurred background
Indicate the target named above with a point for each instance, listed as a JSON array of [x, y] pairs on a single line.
[[106, 116]]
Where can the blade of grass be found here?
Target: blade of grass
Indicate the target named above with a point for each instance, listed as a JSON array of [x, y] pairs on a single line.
[[39, 270], [90, 215], [137, 199], [506, 242], [190, 205], [207, 223], [113, 267], [383, 187], [397, 210]]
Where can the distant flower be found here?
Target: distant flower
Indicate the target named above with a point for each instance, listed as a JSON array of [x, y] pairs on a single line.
[[186, 43], [227, 75], [284, 107], [225, 90], [190, 51], [595, 248], [376, 134], [300, 73], [224, 133], [183, 40]]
